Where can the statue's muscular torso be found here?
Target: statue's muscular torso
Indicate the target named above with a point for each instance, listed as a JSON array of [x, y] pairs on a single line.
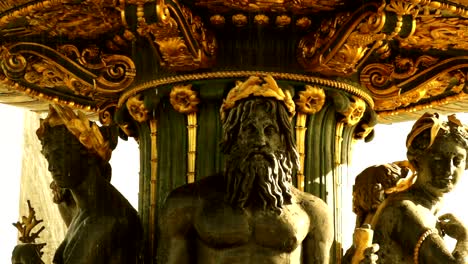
[[200, 227], [246, 235]]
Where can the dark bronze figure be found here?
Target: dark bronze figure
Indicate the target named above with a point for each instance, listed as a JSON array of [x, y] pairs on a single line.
[[251, 213], [370, 189], [105, 228], [406, 224], [65, 202], [26, 254], [372, 186]]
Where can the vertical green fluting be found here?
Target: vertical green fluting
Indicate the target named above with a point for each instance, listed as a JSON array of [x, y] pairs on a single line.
[[319, 150], [172, 150], [145, 180], [209, 131], [320, 168]]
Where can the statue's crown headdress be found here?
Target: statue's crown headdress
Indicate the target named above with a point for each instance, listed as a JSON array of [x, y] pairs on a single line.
[[256, 86], [86, 132]]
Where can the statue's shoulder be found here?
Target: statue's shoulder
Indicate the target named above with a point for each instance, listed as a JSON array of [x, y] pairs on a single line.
[[400, 202], [312, 204], [400, 207], [190, 195], [183, 203], [320, 215]]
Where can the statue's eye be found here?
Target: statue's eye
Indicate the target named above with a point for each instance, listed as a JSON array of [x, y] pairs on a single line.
[[250, 128], [457, 161]]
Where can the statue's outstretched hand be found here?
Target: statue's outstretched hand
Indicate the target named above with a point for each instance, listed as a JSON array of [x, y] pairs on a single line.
[[452, 226]]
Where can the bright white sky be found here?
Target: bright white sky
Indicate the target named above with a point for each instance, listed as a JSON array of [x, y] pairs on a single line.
[[11, 142], [387, 146]]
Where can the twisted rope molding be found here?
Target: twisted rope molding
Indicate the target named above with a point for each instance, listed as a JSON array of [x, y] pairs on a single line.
[[239, 74]]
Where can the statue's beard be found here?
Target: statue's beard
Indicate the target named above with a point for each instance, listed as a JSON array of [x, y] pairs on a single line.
[[259, 178]]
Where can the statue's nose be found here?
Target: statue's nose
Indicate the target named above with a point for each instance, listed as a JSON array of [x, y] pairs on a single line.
[[260, 139]]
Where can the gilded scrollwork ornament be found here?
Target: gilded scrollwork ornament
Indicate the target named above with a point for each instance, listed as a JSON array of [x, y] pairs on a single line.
[[340, 51], [354, 112], [185, 100], [437, 32], [106, 114], [180, 37], [67, 71], [217, 20], [303, 22], [311, 100], [86, 20], [401, 8], [239, 20], [282, 21], [378, 77], [261, 19], [136, 108], [408, 81], [446, 83]]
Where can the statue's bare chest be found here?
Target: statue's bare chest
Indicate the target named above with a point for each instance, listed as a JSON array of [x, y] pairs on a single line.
[[222, 226]]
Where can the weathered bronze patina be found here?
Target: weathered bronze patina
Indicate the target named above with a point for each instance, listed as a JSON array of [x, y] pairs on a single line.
[[105, 228], [251, 213], [407, 225]]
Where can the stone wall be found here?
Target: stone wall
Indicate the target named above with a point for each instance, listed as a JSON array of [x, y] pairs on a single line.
[[35, 181]]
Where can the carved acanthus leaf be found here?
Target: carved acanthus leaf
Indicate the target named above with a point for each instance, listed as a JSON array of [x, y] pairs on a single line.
[[360, 34], [442, 85], [89, 73], [137, 109], [435, 32], [354, 112], [183, 41], [184, 99], [311, 100], [84, 19]]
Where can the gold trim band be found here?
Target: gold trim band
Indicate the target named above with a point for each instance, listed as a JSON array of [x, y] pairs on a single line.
[[153, 185], [244, 74]]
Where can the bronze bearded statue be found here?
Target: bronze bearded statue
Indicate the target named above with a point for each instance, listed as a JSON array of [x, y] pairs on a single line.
[[251, 213]]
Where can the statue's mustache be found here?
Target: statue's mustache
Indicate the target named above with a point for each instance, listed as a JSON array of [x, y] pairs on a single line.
[[265, 152]]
